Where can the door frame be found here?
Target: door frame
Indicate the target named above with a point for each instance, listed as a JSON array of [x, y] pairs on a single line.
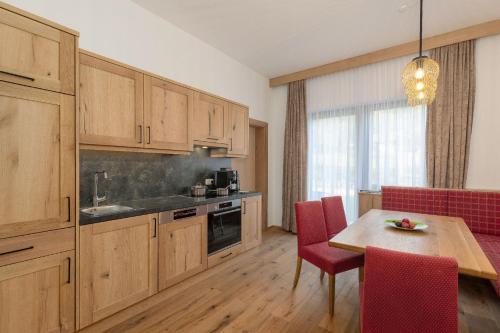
[[261, 165]]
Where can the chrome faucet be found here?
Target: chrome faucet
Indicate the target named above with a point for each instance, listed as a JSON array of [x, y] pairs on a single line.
[[96, 198]]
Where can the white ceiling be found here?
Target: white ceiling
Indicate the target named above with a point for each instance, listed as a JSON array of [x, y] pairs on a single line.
[[277, 37]]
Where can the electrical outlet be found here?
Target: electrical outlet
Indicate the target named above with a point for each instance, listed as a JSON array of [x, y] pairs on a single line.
[[209, 181]]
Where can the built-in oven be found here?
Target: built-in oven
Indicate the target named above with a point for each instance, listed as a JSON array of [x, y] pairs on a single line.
[[224, 225]]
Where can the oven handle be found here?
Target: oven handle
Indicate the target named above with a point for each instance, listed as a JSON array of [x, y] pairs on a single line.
[[226, 212]]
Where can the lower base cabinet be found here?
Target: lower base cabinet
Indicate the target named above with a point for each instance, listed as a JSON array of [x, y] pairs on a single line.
[[251, 222], [118, 265], [182, 250], [38, 295]]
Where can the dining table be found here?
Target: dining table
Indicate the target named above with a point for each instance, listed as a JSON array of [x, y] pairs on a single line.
[[445, 236]]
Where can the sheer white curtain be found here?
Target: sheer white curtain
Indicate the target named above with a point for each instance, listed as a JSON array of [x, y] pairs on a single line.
[[362, 134]]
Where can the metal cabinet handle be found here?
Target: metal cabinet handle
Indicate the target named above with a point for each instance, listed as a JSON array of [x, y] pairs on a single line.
[[68, 281], [244, 207], [210, 124], [18, 250], [227, 255], [154, 227], [25, 77], [149, 134], [69, 209], [140, 133]]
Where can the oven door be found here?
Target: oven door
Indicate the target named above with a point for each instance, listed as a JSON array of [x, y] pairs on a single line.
[[224, 229]]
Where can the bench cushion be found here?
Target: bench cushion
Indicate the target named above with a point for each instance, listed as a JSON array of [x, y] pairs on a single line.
[[491, 247], [479, 209], [415, 200]]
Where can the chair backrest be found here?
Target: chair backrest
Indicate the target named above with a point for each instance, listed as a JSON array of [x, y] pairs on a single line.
[[311, 226], [405, 292], [333, 209]]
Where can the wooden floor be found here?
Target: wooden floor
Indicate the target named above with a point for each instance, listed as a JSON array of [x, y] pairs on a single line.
[[253, 293]]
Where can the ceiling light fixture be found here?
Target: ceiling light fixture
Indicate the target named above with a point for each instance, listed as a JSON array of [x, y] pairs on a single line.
[[420, 75]]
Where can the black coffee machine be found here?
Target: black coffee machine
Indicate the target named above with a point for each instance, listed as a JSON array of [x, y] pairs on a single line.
[[227, 177]]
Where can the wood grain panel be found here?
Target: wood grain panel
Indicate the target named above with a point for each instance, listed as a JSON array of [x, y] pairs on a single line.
[[168, 115], [38, 295], [16, 249], [118, 265], [251, 221], [111, 104], [37, 176], [182, 250], [210, 119], [35, 54], [238, 130]]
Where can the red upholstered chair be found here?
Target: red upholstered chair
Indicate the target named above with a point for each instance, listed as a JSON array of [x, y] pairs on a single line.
[[312, 239], [408, 293], [335, 219]]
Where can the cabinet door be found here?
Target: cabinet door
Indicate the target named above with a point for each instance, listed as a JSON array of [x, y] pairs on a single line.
[[37, 154], [238, 130], [118, 265], [210, 117], [251, 219], [38, 295], [35, 54], [111, 104], [168, 115], [182, 250]]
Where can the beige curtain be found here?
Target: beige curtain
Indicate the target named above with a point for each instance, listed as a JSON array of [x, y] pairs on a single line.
[[295, 154], [449, 120]]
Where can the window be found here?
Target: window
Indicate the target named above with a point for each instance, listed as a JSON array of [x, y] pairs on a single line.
[[365, 147]]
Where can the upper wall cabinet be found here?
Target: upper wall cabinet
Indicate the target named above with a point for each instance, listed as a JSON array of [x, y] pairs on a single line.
[[111, 104], [238, 130], [35, 54], [168, 115], [37, 168], [210, 118]]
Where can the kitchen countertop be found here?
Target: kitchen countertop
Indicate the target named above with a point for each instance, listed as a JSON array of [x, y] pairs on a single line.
[[159, 204]]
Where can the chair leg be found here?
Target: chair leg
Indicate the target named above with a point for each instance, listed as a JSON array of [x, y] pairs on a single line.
[[331, 293], [361, 273], [322, 275], [297, 271]]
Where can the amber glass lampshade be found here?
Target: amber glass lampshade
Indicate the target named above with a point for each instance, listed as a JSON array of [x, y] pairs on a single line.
[[420, 81]]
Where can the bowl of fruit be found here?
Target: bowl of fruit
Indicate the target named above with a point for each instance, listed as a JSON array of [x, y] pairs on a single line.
[[406, 224]]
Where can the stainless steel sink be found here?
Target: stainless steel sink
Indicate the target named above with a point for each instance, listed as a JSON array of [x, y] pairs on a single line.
[[106, 210]]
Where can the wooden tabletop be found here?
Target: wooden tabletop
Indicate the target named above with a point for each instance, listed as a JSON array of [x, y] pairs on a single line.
[[445, 236]]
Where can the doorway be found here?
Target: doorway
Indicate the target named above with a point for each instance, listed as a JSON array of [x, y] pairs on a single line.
[[253, 170]]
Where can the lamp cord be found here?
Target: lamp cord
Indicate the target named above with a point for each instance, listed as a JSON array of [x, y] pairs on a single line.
[[421, 16]]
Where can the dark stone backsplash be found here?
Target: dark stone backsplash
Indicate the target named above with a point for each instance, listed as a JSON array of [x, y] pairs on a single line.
[[138, 175]]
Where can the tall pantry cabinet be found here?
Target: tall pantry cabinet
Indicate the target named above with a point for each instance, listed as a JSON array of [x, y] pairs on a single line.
[[37, 174]]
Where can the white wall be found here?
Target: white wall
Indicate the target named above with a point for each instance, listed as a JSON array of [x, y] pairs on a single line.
[[124, 31], [484, 162]]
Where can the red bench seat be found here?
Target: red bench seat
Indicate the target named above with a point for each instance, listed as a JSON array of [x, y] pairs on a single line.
[[491, 247], [479, 209]]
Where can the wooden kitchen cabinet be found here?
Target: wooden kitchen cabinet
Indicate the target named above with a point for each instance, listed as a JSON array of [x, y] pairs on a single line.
[[111, 104], [37, 169], [118, 265], [251, 221], [168, 115], [210, 119], [38, 295], [238, 131], [182, 249], [369, 200], [36, 54]]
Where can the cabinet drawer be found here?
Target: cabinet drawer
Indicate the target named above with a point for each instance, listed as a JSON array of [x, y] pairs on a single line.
[[16, 249], [35, 54], [224, 255]]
